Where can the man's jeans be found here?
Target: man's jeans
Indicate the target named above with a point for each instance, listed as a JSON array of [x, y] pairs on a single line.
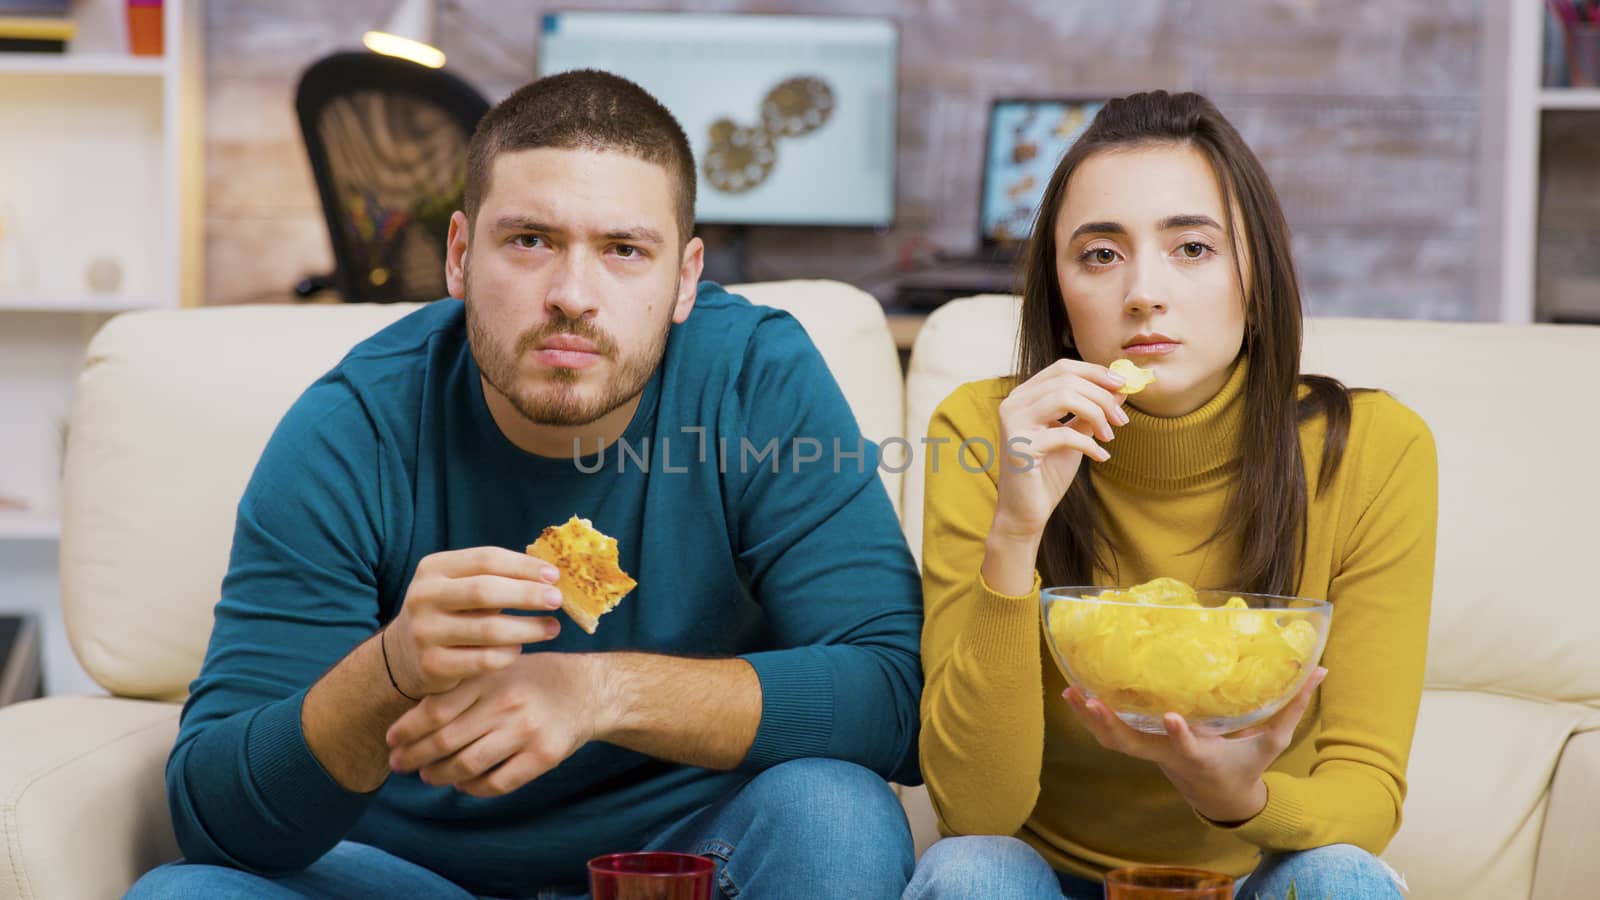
[[1004, 868], [807, 828]]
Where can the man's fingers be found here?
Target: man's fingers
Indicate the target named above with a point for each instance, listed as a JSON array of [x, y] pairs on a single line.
[[508, 776], [489, 561], [411, 734], [497, 592], [472, 760], [492, 630]]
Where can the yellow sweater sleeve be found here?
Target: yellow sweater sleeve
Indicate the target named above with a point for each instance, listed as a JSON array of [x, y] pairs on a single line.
[[1375, 656], [982, 738]]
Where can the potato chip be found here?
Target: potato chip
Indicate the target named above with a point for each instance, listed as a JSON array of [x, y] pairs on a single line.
[[1154, 648], [1137, 379]]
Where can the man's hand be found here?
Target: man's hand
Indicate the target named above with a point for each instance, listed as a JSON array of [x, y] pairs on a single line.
[[451, 627], [495, 733], [1219, 775]]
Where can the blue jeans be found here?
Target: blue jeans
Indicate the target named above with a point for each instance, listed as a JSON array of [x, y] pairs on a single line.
[[1004, 868], [806, 828]]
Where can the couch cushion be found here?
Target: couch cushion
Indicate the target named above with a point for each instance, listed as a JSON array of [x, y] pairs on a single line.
[[172, 410], [1511, 407], [1479, 768]]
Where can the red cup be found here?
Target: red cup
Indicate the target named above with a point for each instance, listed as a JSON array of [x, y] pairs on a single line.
[[651, 876], [1167, 883]]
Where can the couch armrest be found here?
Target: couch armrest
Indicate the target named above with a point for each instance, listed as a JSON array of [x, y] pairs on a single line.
[[83, 800], [1568, 865]]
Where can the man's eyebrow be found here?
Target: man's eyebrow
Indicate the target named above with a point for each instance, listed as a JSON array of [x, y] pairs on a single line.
[[636, 234], [524, 223]]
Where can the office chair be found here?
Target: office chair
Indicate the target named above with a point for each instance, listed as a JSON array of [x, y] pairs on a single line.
[[387, 140]]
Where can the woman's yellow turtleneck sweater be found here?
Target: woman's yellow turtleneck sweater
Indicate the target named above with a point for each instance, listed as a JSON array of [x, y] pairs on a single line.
[[1002, 752]]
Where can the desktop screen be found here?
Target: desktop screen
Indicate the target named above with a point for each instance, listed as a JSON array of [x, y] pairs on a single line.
[[791, 118], [1026, 140]]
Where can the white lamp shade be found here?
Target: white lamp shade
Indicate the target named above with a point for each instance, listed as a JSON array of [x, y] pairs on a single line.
[[408, 34]]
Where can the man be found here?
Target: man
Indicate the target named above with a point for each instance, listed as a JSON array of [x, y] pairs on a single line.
[[746, 701]]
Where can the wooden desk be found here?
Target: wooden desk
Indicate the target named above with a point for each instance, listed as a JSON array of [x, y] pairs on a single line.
[[19, 659], [904, 326]]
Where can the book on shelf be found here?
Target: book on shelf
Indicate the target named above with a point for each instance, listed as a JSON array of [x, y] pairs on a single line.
[[35, 34], [57, 8]]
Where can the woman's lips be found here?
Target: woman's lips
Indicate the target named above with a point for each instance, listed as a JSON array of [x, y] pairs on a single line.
[[1155, 348]]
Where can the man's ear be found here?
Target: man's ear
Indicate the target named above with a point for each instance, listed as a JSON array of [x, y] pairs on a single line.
[[694, 262], [455, 255]]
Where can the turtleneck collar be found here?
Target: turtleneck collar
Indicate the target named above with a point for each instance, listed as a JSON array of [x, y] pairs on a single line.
[[1182, 452]]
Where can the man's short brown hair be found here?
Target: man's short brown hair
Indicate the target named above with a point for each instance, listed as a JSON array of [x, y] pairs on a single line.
[[585, 109]]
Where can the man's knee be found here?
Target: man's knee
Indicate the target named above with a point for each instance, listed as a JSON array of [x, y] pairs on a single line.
[[990, 866], [830, 790], [180, 881]]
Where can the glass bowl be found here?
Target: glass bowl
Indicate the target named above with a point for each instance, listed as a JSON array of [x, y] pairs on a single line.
[[1221, 659]]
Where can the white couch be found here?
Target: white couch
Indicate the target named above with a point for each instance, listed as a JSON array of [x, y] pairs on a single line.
[[173, 407]]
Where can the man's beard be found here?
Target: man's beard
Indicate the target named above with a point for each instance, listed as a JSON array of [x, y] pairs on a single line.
[[556, 399]]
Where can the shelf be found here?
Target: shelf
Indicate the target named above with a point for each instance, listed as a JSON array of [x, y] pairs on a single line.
[[79, 304], [1569, 98], [22, 526], [82, 64]]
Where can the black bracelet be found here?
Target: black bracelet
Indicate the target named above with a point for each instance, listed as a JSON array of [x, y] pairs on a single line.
[[385, 648]]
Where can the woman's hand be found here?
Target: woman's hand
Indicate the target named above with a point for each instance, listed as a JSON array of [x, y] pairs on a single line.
[[1039, 456], [1219, 775]]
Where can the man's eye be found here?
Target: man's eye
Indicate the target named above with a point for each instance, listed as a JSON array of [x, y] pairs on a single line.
[[528, 241], [626, 251]]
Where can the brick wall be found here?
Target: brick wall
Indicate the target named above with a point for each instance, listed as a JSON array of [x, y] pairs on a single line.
[[1367, 114]]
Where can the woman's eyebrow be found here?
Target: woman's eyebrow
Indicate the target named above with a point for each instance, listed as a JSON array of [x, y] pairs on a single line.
[[1188, 221]]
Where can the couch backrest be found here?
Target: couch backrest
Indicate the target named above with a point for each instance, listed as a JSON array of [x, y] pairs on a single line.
[[171, 412], [1511, 665]]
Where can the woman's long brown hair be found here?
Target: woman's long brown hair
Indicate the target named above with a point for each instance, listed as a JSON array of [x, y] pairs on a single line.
[[1266, 511]]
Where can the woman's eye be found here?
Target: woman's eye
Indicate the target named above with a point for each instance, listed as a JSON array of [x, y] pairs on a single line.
[[1193, 250], [1104, 256]]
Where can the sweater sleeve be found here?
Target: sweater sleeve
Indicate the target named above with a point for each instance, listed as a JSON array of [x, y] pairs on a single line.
[[826, 559], [982, 704], [1375, 657], [300, 592]]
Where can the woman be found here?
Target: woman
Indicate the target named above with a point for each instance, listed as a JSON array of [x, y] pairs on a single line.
[[1160, 240]]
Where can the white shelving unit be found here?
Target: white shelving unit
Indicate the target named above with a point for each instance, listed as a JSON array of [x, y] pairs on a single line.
[[101, 168], [1525, 102]]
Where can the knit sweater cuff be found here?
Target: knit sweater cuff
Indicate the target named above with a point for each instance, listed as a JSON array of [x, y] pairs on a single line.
[[1278, 823], [289, 776], [1003, 627]]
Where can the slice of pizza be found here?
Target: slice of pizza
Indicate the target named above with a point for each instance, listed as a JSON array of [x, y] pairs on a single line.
[[592, 581]]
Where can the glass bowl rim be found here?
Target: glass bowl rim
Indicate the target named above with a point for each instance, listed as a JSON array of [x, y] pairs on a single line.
[[1304, 604]]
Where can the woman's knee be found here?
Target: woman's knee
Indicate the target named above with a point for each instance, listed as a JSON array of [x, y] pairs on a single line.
[[1335, 871], [1002, 868]]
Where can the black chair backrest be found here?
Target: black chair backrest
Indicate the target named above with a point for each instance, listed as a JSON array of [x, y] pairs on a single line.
[[387, 141]]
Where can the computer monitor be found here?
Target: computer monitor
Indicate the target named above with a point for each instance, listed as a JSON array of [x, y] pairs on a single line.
[[791, 118], [1026, 139]]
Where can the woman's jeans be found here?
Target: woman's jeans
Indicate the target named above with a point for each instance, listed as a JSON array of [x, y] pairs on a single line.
[[1004, 868]]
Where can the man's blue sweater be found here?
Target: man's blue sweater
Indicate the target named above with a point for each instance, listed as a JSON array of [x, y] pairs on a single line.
[[744, 544]]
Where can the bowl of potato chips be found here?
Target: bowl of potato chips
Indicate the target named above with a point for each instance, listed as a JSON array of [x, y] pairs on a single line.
[[1223, 660]]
